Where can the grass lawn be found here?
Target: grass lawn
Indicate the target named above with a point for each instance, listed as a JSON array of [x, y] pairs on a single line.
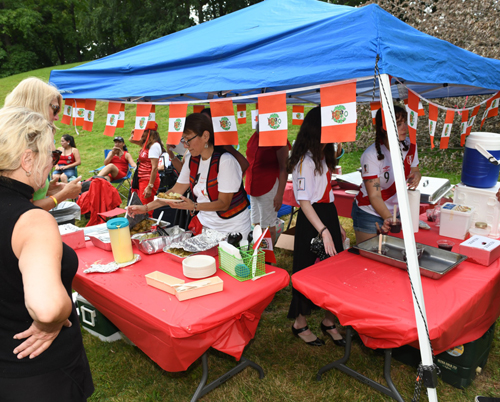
[[123, 373]]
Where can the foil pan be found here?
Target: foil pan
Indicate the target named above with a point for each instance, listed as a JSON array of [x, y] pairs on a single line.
[[208, 239], [101, 240], [157, 244], [434, 262]]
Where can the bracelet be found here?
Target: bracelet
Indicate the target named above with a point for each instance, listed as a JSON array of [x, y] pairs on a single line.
[[322, 230], [151, 185], [54, 199], [195, 206]]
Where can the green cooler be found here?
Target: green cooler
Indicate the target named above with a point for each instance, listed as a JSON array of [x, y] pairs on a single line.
[[94, 322]]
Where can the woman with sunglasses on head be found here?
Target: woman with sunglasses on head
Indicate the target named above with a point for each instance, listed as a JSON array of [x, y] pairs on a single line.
[[45, 99], [68, 161], [42, 357], [215, 179], [147, 170]]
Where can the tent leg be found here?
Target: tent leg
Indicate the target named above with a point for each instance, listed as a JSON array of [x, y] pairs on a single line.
[[205, 389], [340, 365]]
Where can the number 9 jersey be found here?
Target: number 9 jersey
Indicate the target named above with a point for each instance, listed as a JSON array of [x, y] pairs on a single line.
[[372, 168]]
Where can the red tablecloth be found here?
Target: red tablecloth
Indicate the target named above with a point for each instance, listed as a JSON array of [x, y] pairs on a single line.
[[174, 334], [375, 298]]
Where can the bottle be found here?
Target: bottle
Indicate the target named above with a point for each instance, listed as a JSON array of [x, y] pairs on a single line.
[[121, 244]]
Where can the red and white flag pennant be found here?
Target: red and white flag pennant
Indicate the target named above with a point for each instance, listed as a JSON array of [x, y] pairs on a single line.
[[433, 117], [413, 104], [267, 246], [176, 121], [141, 119], [421, 111], [255, 117], [374, 107], [463, 127], [67, 111], [112, 118], [78, 112], [297, 115], [224, 123], [445, 135], [338, 112], [273, 120], [88, 119], [472, 118], [241, 110], [121, 117], [198, 108], [491, 108]]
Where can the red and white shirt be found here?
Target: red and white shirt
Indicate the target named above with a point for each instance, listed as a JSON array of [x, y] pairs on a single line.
[[372, 168], [308, 185]]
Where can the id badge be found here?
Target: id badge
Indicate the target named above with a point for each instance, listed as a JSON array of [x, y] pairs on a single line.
[[301, 184]]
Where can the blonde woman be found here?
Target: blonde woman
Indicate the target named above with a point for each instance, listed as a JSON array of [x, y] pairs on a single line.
[[35, 94], [41, 349]]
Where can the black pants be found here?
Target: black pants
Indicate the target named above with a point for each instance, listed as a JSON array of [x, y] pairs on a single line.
[[303, 257]]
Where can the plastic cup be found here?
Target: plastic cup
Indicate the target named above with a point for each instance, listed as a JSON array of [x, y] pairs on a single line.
[[445, 244], [396, 226], [430, 215]]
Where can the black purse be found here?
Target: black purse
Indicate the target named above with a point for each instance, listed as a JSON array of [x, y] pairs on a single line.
[[318, 247], [135, 178]]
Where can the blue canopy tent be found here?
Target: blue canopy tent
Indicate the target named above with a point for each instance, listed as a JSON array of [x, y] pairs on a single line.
[[277, 45]]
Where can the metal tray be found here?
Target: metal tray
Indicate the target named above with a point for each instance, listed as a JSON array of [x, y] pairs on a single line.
[[434, 263], [432, 189]]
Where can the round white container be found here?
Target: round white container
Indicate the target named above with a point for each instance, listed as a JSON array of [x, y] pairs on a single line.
[[199, 266]]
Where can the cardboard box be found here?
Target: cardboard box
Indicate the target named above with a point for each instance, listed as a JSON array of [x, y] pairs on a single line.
[[481, 250], [215, 285], [163, 281], [73, 236], [286, 239]]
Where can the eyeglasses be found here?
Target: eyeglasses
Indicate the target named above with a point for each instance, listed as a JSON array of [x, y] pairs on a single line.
[[55, 108], [56, 155], [186, 142]]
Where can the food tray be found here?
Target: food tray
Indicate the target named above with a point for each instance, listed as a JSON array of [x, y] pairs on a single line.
[[157, 244], [434, 263], [101, 241], [229, 264]]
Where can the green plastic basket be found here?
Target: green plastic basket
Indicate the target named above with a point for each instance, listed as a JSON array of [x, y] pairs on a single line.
[[242, 272]]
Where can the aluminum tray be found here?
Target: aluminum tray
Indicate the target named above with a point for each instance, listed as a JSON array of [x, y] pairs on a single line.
[[434, 263]]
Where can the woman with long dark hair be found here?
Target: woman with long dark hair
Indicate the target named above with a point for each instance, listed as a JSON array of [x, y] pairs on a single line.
[[375, 202], [311, 164], [68, 161]]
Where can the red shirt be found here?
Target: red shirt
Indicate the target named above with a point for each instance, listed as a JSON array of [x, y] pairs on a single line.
[[121, 164]]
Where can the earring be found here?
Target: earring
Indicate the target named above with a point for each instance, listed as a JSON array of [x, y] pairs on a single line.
[[206, 145], [28, 174]]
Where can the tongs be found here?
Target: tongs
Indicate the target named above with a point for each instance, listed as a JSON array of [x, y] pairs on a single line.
[[159, 229]]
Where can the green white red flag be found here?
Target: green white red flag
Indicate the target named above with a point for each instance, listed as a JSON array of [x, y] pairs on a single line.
[[88, 119], [273, 120], [433, 116], [463, 127], [445, 135], [241, 110], [297, 115], [141, 119], [413, 102], [112, 118], [121, 117], [224, 122], [338, 112], [374, 107], [68, 111], [472, 118], [176, 120]]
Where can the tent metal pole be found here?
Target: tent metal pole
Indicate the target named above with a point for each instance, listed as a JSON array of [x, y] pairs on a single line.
[[407, 225]]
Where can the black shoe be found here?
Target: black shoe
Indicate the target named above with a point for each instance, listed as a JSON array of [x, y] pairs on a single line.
[[316, 342], [324, 329], [486, 399]]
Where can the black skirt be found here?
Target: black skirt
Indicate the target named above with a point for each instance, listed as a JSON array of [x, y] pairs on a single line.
[[303, 257]]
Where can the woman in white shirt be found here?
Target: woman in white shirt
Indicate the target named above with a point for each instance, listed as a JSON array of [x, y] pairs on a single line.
[[215, 179], [311, 164]]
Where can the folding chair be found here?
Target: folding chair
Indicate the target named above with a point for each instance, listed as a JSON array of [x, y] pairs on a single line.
[[123, 184]]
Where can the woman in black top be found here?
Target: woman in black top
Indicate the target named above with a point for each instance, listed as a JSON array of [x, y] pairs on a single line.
[[41, 350]]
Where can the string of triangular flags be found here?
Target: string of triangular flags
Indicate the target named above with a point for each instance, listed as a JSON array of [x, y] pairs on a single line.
[[338, 116]]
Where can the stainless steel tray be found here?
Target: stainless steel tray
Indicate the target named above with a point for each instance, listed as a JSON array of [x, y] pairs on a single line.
[[434, 262], [432, 189]]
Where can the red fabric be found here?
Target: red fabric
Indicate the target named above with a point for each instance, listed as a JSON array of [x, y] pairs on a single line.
[[101, 197], [121, 164], [65, 160], [376, 299], [174, 334], [195, 226]]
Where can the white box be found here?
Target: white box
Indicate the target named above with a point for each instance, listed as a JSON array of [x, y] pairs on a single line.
[[455, 222], [485, 203], [481, 250]]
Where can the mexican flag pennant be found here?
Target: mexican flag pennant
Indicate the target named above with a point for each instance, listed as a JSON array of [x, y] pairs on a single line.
[[198, 108], [463, 127], [255, 118], [267, 246], [273, 120], [374, 107], [88, 119], [472, 118], [242, 113], [68, 111], [141, 119], [121, 117], [297, 115], [176, 120], [433, 116], [338, 112], [112, 118], [224, 122], [445, 135], [413, 103], [78, 112]]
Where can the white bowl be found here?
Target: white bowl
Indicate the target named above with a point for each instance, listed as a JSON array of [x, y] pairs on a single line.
[[199, 266]]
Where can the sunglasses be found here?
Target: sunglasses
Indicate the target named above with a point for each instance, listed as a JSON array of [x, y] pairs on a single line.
[[186, 142], [55, 108], [56, 155]]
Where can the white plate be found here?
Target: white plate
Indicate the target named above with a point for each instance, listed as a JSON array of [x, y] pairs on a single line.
[[171, 200], [353, 192]]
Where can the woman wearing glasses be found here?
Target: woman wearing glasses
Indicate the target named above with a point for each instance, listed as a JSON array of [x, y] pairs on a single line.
[[45, 99], [152, 149], [215, 179]]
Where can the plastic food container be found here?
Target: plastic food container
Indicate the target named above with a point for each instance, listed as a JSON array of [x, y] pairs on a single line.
[[455, 220]]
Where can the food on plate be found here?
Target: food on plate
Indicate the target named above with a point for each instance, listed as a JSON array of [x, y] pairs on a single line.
[[170, 196], [180, 252], [142, 226], [148, 236]]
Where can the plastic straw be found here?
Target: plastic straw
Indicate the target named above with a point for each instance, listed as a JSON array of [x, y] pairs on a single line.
[[129, 202]]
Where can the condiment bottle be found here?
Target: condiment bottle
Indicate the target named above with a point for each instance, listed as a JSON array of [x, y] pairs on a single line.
[[121, 244]]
